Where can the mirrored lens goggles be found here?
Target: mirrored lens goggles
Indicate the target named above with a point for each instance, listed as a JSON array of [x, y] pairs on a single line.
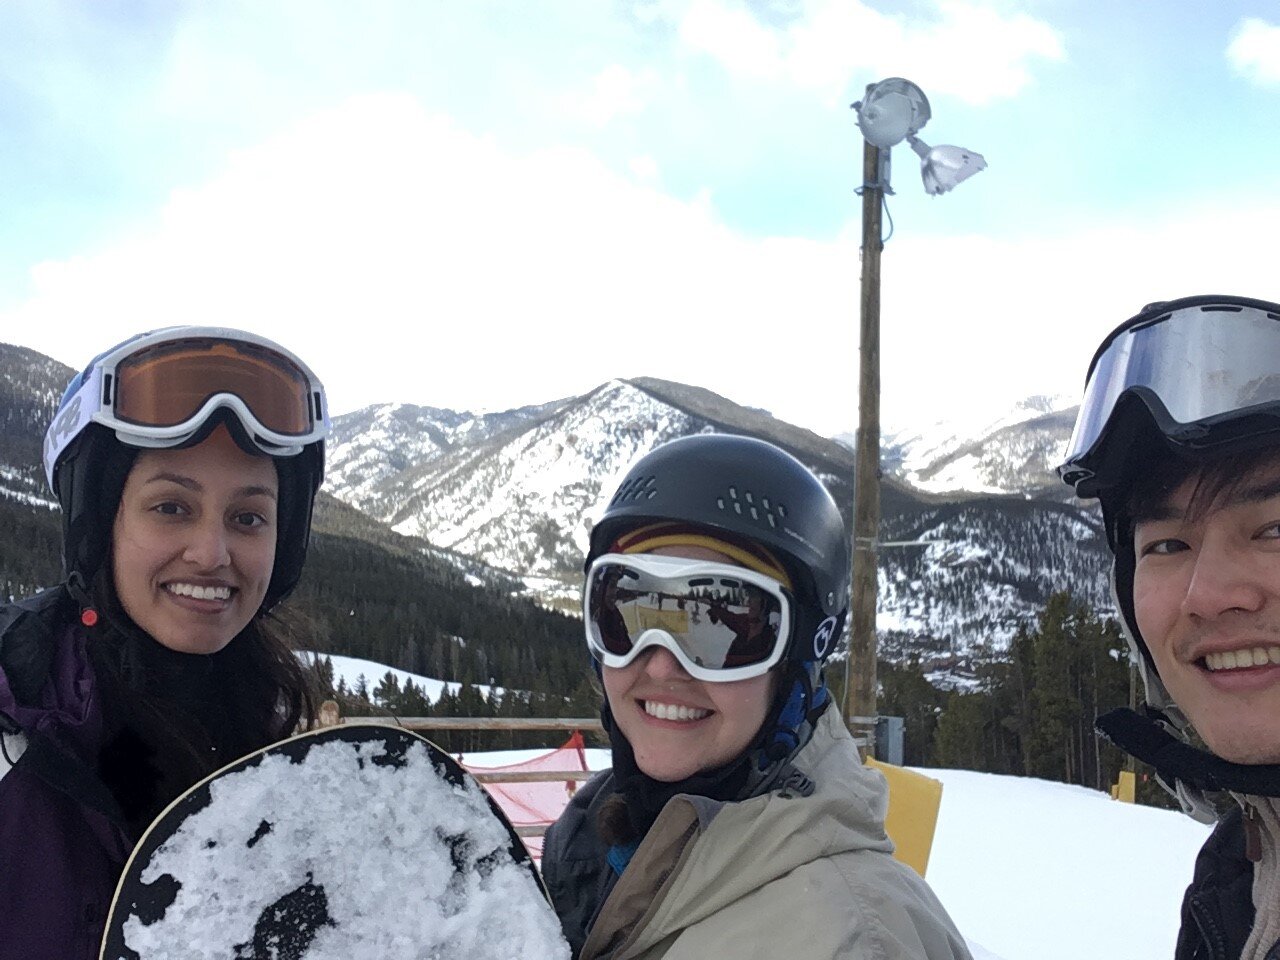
[[1197, 368], [721, 622]]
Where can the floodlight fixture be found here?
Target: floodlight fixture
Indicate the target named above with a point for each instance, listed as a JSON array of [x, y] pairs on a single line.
[[943, 167], [892, 110]]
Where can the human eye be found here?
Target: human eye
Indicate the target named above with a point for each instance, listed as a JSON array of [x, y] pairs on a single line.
[[1163, 547], [169, 508], [249, 519], [1270, 531]]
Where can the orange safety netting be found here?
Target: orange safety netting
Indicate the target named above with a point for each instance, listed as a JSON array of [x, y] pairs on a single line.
[[537, 804]]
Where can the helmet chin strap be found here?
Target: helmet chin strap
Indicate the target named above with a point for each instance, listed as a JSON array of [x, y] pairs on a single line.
[[1150, 736]]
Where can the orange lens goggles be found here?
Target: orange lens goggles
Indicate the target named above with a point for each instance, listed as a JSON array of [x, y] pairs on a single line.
[[167, 384]]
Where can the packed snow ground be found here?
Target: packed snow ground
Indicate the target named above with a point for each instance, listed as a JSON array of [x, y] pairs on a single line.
[[1035, 870]]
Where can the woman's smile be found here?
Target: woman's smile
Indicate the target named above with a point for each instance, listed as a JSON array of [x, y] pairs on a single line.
[[194, 542]]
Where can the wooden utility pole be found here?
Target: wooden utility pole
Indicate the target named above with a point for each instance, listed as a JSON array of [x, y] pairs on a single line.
[[860, 676]]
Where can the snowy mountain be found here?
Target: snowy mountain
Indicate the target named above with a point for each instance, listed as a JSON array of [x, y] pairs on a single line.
[[984, 566], [523, 497], [1013, 453], [31, 385], [503, 501], [519, 496], [379, 442]]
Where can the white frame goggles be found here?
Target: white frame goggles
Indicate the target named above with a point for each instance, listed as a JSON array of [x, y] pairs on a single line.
[[96, 398], [702, 595]]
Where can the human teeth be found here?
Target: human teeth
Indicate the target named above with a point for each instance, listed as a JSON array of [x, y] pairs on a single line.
[[1240, 659], [671, 711], [197, 592]]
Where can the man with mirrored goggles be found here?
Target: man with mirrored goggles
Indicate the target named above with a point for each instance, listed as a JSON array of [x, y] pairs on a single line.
[[1178, 436], [1202, 368]]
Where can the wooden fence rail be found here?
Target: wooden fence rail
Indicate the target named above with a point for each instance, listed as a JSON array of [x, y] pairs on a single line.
[[570, 778], [530, 776], [484, 723]]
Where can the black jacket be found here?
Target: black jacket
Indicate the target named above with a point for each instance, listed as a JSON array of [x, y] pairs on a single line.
[[574, 866], [1217, 911]]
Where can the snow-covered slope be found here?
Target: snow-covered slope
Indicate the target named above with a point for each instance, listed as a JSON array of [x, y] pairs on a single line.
[[1013, 453], [376, 443], [523, 498], [1034, 870], [985, 566], [354, 669], [31, 385]]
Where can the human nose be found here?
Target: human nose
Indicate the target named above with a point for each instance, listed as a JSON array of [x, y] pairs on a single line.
[[1224, 579], [207, 545], [661, 664]]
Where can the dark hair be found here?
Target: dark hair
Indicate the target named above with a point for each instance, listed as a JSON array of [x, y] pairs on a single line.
[[1213, 479], [173, 718]]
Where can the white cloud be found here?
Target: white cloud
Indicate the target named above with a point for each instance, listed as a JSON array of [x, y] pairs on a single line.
[[979, 323], [614, 92], [644, 168], [407, 259], [1254, 51], [967, 49], [734, 37]]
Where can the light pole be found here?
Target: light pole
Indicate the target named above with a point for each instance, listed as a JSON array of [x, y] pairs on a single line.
[[891, 111]]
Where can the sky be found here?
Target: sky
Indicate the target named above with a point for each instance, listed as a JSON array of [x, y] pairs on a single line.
[[487, 204]]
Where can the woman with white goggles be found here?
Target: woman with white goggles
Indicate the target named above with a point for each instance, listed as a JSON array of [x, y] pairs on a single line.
[[186, 462], [716, 589]]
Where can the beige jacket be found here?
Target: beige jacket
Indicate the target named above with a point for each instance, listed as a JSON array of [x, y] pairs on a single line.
[[779, 875]]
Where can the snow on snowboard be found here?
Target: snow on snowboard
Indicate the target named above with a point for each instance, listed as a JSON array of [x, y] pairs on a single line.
[[353, 841]]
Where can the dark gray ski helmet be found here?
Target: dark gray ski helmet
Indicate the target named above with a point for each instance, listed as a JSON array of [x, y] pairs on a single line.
[[748, 489]]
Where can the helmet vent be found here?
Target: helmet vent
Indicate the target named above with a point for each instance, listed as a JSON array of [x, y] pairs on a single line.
[[637, 488], [747, 504]]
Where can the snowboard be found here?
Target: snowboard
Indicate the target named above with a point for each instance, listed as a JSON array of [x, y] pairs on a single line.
[[350, 841]]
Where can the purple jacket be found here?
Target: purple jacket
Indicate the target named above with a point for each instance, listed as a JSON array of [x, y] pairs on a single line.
[[60, 856]]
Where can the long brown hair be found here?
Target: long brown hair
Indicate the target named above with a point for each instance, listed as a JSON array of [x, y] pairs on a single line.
[[173, 718]]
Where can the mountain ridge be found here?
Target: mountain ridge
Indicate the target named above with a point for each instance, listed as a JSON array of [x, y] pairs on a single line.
[[504, 501]]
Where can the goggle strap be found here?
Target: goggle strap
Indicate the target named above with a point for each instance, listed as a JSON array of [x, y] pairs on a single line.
[[651, 538]]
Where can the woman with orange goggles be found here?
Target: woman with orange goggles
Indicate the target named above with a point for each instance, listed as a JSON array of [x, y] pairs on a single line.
[[186, 462]]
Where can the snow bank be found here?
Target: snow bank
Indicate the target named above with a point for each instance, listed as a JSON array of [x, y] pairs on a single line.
[[1035, 870]]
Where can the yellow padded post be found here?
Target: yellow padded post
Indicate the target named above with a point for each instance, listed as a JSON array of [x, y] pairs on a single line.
[[1126, 790], [914, 800]]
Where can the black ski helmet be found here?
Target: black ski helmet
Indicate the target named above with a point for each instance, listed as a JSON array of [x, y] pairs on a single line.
[[87, 464], [751, 490]]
